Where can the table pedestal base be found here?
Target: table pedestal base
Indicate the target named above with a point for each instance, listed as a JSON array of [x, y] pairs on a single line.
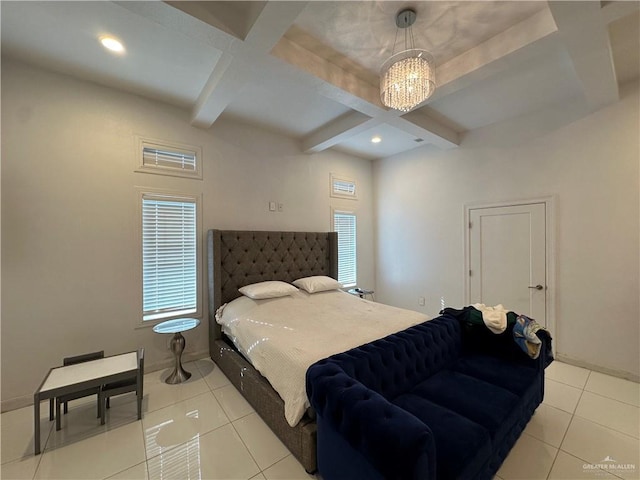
[[179, 374]]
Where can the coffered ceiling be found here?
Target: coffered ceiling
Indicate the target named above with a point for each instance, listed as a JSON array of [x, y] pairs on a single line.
[[309, 70]]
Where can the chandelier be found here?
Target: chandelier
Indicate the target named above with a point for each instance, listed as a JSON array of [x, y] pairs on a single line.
[[407, 78]]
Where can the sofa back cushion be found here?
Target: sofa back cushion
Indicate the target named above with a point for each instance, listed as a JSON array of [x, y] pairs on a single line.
[[395, 364]]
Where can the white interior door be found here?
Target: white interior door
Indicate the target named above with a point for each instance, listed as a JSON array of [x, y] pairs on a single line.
[[508, 258]]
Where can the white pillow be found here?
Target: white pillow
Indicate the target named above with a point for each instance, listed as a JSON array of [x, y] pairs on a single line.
[[269, 289], [318, 283]]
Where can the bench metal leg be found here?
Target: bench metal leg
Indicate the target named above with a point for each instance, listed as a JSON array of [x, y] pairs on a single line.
[[58, 425], [36, 424]]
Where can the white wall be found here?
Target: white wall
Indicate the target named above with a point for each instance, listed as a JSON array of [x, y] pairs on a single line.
[[589, 165], [70, 270]]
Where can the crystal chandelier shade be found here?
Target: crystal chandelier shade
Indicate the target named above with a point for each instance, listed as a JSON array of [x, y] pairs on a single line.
[[407, 78]]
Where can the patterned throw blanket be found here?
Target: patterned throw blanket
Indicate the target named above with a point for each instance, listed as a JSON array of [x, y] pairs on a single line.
[[497, 319], [524, 334]]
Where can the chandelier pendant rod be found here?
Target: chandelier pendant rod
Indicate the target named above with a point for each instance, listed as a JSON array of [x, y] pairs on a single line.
[[395, 42]]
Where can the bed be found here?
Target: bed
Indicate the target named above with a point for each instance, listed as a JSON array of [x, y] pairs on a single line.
[[239, 258]]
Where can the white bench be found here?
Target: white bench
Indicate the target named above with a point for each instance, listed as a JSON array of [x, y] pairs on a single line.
[[72, 378]]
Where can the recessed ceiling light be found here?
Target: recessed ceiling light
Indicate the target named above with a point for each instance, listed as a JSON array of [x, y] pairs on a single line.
[[376, 139], [112, 44]]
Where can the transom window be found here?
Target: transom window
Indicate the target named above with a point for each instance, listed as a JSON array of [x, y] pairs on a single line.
[[165, 158], [342, 187]]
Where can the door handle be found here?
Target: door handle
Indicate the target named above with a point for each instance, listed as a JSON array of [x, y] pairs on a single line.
[[537, 287]]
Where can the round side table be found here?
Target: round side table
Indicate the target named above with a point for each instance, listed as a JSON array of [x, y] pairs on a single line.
[[176, 327]]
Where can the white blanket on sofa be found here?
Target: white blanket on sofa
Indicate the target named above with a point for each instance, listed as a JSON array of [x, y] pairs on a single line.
[[282, 337]]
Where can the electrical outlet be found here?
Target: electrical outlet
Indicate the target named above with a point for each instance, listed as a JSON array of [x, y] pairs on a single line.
[[421, 301], [280, 207]]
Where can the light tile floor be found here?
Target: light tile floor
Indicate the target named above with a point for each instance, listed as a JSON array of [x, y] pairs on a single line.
[[587, 428]]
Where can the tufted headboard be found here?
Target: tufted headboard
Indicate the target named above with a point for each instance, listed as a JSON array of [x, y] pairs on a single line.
[[237, 258]]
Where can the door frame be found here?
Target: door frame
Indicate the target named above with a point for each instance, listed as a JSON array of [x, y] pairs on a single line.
[[550, 247]]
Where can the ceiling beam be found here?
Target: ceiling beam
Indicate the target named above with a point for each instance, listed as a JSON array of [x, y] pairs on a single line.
[[235, 69], [241, 60], [586, 39], [346, 88], [337, 131], [482, 61], [336, 83], [228, 77], [413, 123], [271, 25]]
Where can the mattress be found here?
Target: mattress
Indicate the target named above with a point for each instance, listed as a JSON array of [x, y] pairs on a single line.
[[282, 337]]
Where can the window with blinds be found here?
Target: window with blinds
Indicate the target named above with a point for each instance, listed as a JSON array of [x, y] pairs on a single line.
[[169, 256], [345, 224], [343, 187], [169, 159]]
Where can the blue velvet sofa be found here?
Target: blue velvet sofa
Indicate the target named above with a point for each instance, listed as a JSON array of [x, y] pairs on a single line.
[[446, 399]]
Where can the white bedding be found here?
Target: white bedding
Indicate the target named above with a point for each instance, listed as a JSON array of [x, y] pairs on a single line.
[[283, 337]]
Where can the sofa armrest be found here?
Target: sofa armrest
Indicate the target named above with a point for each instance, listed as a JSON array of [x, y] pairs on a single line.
[[546, 351], [392, 440]]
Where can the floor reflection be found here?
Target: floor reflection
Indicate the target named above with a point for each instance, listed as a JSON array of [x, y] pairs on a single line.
[[177, 446]]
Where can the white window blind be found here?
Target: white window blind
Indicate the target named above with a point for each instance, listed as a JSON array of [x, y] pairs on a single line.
[[345, 224], [157, 157], [343, 187], [169, 256], [161, 157]]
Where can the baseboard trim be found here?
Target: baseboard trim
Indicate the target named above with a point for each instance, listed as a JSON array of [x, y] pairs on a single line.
[[597, 368], [15, 403], [26, 400]]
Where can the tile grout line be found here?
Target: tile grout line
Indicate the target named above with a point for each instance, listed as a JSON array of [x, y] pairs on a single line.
[[611, 398], [247, 448], [144, 441], [585, 389], [144, 437], [567, 431], [607, 427], [181, 444], [553, 463], [261, 470], [231, 422], [42, 452], [40, 459], [202, 376], [568, 426], [573, 414], [601, 396]]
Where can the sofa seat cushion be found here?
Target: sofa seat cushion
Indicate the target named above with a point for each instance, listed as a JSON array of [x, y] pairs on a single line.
[[510, 376], [457, 456], [481, 402]]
